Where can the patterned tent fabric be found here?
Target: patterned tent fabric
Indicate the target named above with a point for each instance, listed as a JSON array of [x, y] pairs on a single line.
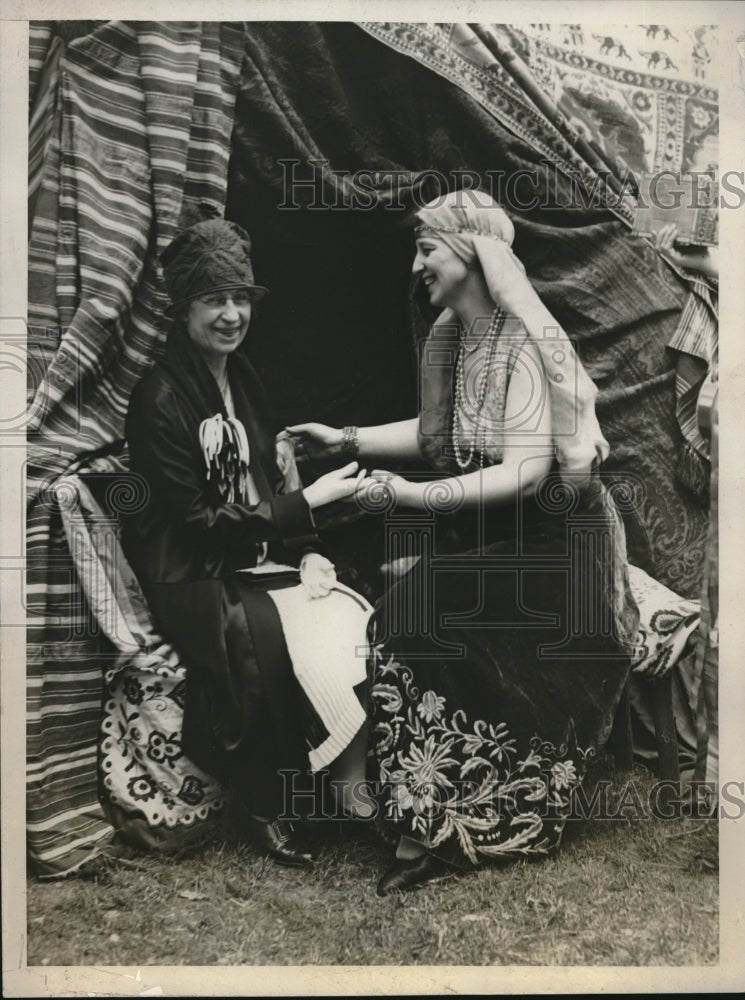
[[667, 625], [642, 91], [132, 126], [456, 53]]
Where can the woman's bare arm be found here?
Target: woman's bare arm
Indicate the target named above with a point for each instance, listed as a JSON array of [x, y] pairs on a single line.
[[396, 441], [399, 440]]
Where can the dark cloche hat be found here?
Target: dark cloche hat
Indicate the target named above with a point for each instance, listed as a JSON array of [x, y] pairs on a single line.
[[210, 256]]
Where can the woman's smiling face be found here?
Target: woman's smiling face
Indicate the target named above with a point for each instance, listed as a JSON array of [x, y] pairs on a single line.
[[443, 272], [218, 321]]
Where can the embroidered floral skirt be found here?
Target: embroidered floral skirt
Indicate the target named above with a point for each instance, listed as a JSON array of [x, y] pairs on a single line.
[[496, 667]]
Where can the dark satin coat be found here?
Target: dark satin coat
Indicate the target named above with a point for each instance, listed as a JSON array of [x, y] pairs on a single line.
[[241, 715]]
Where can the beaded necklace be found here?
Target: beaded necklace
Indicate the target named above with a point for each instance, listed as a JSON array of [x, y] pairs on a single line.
[[491, 337]]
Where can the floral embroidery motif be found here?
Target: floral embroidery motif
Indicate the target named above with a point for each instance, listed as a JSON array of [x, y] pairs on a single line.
[[142, 787], [192, 790], [144, 766], [666, 622], [132, 691], [162, 748], [431, 706], [564, 774], [447, 778]]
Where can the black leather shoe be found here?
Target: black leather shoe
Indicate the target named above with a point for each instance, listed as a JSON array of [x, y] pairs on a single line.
[[405, 873], [279, 840]]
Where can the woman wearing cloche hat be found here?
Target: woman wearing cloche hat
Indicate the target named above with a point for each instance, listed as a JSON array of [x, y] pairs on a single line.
[[225, 549]]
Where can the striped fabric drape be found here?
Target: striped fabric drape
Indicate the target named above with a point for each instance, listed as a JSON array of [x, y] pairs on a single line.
[[130, 129], [697, 341]]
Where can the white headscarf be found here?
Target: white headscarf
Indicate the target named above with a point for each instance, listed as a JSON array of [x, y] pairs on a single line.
[[459, 217]]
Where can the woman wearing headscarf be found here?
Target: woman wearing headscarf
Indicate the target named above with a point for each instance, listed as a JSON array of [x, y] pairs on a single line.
[[225, 549], [499, 656]]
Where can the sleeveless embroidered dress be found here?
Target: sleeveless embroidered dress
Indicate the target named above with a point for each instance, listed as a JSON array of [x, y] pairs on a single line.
[[498, 660]]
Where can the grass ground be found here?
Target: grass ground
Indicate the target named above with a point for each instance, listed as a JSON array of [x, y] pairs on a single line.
[[637, 891]]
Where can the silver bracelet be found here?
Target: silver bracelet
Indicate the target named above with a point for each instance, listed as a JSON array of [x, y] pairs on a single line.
[[350, 440]]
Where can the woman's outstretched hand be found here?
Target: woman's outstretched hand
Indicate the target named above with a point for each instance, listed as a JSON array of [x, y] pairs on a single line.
[[335, 485], [314, 440], [317, 575]]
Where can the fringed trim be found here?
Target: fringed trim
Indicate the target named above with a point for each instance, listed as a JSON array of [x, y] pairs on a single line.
[[226, 455], [693, 470]]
